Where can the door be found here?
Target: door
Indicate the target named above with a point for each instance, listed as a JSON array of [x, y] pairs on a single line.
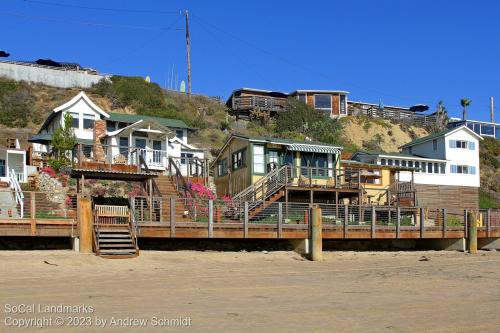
[[274, 160], [157, 153]]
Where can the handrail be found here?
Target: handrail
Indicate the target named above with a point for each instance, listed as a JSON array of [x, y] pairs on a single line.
[[180, 178], [133, 222], [18, 193]]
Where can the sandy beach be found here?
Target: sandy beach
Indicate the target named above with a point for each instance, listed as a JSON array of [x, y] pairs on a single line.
[[254, 291]]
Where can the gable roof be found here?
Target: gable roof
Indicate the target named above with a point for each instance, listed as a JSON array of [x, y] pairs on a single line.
[[440, 134], [76, 99], [133, 118]]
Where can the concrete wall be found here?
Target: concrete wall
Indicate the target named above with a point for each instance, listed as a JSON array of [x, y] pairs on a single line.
[[52, 77]]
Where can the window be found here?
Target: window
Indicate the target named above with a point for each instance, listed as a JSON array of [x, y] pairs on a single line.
[[110, 126], [417, 166], [436, 167], [396, 162], [238, 159], [179, 134], [185, 157], [88, 121], [390, 162], [302, 98], [423, 167], [383, 161], [442, 168], [429, 167], [222, 168], [156, 145], [434, 145], [274, 160], [2, 168], [317, 162], [76, 120], [258, 159], [410, 150], [403, 163], [458, 144], [497, 132], [343, 109], [487, 129], [323, 102], [410, 164], [463, 169]]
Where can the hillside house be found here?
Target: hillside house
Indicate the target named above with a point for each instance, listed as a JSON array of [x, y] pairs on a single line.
[[446, 167], [256, 169], [120, 139], [13, 162], [483, 128]]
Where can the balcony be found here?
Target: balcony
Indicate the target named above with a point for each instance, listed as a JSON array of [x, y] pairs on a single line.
[[245, 103]]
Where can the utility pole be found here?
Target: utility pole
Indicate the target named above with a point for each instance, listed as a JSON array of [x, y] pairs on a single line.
[[492, 110], [188, 53]]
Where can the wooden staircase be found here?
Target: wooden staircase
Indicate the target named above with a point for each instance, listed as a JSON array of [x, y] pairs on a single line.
[[275, 197], [115, 232], [168, 190]]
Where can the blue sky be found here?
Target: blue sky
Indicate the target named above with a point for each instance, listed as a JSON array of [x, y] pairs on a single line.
[[399, 52]]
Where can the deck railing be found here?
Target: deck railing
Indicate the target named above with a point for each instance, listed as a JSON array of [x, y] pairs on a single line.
[[398, 115], [263, 103]]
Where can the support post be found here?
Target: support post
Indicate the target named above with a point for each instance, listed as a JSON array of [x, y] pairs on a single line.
[[398, 222], [472, 237], [280, 220], [444, 222], [316, 234], [346, 220], [374, 217], [245, 221], [32, 213], [422, 222], [86, 225], [210, 218], [488, 222], [150, 185], [172, 217], [466, 219]]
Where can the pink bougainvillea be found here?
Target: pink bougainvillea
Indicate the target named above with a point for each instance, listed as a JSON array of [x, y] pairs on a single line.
[[49, 171], [202, 191]]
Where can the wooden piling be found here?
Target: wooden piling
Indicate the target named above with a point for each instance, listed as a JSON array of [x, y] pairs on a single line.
[[316, 234], [86, 225], [472, 234]]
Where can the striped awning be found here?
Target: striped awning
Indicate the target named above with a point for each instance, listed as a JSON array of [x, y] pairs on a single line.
[[314, 148]]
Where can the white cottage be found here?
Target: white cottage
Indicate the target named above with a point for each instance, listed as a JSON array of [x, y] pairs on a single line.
[[155, 139], [13, 163], [446, 167]]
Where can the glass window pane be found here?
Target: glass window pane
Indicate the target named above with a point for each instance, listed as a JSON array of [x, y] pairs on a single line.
[[302, 98], [322, 101], [88, 121], [258, 159], [487, 129]]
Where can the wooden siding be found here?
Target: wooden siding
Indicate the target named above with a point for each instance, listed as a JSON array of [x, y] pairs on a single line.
[[335, 105], [310, 100], [237, 180], [456, 198]]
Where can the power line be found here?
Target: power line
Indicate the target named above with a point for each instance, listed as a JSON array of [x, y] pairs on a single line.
[[58, 4], [86, 23], [284, 60]]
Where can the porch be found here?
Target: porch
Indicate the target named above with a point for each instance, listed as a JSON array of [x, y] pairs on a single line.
[[13, 164]]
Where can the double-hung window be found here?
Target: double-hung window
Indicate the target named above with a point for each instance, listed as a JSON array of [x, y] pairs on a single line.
[[222, 168], [259, 159], [88, 121], [458, 144], [238, 159], [76, 120]]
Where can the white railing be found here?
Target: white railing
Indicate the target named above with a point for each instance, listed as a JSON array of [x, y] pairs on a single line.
[[16, 188], [154, 158]]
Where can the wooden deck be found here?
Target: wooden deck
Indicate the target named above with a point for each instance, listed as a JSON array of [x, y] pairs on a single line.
[[69, 228]]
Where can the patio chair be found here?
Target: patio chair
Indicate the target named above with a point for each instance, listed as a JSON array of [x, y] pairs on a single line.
[[119, 159]]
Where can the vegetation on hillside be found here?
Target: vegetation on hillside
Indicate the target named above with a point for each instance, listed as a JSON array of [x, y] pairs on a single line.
[[16, 104], [490, 173]]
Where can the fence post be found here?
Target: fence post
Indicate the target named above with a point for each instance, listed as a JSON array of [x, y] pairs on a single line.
[[398, 222], [172, 217], [444, 222], [32, 213], [488, 223], [374, 217], [472, 239], [210, 218], [280, 220], [422, 222], [86, 232], [346, 220], [245, 221], [316, 234]]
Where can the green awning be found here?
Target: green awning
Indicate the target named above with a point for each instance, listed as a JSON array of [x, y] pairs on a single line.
[[314, 148]]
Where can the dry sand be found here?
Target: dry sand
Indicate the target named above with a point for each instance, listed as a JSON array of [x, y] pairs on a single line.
[[264, 292]]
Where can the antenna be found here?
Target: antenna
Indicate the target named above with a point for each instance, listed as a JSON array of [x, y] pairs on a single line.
[[492, 110]]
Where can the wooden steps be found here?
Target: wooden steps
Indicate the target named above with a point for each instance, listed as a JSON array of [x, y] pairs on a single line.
[[167, 189], [275, 197], [116, 243]]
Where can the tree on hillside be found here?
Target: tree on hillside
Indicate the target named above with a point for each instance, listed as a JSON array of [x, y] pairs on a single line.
[[300, 121], [63, 142], [442, 115], [465, 102]]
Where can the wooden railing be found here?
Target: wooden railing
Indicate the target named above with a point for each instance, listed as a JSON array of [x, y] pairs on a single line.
[[263, 103], [398, 115]]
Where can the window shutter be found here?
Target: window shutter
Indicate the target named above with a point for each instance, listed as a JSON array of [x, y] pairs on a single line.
[[472, 170], [472, 145], [452, 144], [453, 168]]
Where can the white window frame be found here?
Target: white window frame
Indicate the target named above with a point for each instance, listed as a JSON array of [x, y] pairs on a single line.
[[259, 166], [324, 109]]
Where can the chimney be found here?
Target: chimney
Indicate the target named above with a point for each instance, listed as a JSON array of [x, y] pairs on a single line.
[[492, 110]]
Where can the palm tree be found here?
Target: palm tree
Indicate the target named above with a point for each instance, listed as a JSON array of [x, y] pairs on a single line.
[[465, 102]]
